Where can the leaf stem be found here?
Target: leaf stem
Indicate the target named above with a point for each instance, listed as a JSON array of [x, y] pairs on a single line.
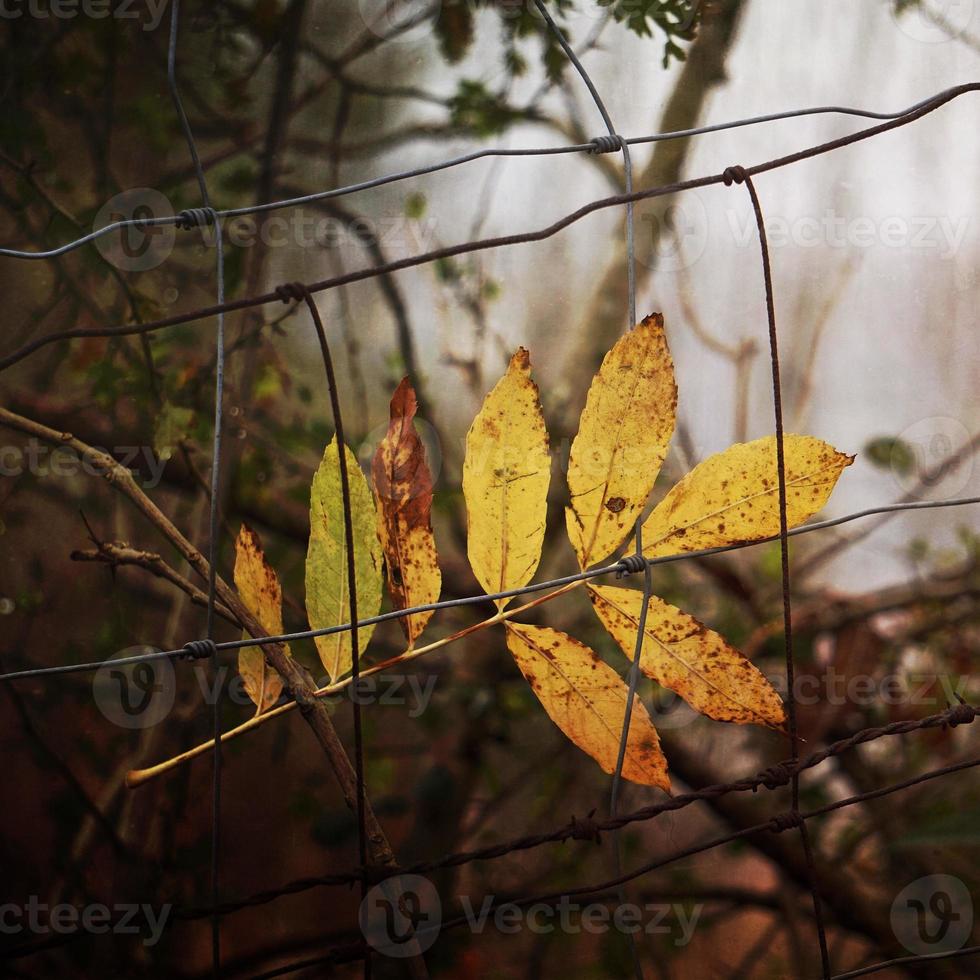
[[138, 777]]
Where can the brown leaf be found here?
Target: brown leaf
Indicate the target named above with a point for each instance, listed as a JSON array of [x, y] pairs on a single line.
[[403, 490], [259, 587]]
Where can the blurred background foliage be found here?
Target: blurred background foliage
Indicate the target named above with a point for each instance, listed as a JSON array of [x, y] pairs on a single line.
[[290, 96]]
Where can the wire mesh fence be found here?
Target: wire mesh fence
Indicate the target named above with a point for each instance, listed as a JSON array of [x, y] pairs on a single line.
[[377, 867]]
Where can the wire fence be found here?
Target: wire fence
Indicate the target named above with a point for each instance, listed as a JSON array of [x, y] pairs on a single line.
[[370, 870]]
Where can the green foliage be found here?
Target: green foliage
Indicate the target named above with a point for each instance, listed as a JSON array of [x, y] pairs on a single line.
[[476, 108], [415, 205], [889, 452], [675, 19], [454, 29], [173, 426]]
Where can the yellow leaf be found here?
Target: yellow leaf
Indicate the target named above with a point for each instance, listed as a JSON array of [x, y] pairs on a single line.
[[403, 489], [622, 441], [327, 597], [506, 472], [259, 587], [586, 699], [693, 661], [733, 496]]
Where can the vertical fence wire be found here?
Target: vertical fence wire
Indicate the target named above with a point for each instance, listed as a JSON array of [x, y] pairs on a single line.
[[738, 175], [302, 292], [615, 141], [208, 216]]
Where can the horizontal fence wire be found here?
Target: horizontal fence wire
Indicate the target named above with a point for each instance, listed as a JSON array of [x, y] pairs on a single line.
[[360, 275], [588, 830], [620, 569], [182, 220], [585, 829]]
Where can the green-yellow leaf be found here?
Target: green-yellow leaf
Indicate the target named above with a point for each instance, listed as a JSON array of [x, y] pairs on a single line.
[[259, 587], [693, 661], [172, 426], [622, 441], [733, 496], [403, 489], [586, 699], [327, 596], [506, 472]]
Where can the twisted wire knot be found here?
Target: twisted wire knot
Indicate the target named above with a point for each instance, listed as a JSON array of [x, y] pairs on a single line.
[[607, 144], [195, 217], [785, 821], [374, 874], [289, 291], [960, 714], [777, 775], [585, 829], [630, 565], [199, 649], [734, 175]]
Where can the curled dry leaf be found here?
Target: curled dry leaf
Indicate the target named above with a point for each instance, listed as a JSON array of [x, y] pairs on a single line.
[[693, 661], [259, 587], [403, 490], [622, 440], [506, 472], [586, 699], [327, 596], [733, 496]]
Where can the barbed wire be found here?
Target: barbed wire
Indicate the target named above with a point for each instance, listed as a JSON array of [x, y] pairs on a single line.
[[777, 824], [589, 830]]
